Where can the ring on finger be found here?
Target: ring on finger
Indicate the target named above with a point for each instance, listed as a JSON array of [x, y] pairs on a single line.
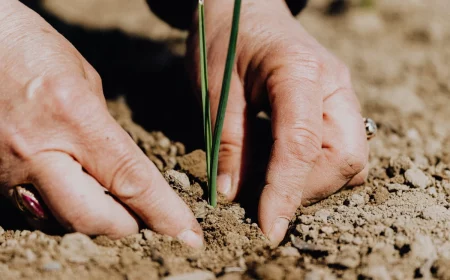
[[371, 128], [27, 200]]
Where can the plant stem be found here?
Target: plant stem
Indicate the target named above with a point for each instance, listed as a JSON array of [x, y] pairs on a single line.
[[226, 82], [204, 84]]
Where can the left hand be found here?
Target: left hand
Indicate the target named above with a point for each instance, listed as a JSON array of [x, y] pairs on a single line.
[[319, 140]]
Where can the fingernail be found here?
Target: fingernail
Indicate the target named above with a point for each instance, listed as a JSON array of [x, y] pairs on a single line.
[[191, 238], [278, 230], [224, 182]]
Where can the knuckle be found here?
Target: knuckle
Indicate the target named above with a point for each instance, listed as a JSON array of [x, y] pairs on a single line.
[[129, 167], [68, 99], [304, 145], [93, 75], [353, 162]]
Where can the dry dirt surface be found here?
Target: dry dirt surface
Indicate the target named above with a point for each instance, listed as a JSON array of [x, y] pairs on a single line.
[[396, 226]]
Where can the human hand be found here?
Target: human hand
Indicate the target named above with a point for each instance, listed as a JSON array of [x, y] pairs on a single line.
[[56, 133], [319, 140]]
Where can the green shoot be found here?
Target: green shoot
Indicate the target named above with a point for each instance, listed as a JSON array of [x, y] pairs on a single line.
[[204, 84], [223, 101], [212, 141]]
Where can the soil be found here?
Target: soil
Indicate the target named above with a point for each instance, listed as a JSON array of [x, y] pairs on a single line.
[[396, 226]]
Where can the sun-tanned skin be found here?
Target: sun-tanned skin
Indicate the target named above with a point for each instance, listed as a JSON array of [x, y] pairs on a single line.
[[55, 124]]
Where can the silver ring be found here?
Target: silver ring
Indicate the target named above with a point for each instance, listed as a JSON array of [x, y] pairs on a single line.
[[371, 128]]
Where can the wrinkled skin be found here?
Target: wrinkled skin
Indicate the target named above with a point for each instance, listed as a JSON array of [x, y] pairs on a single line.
[[319, 140], [56, 132]]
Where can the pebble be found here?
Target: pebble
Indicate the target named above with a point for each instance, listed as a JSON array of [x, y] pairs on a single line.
[[376, 272], [417, 178], [322, 215], [432, 191], [327, 230], [148, 234], [198, 275], [319, 275], [29, 255], [348, 258], [51, 266], [436, 213], [270, 272], [289, 252], [306, 219], [164, 143], [178, 179], [423, 248], [77, 248], [356, 200], [346, 238], [396, 187]]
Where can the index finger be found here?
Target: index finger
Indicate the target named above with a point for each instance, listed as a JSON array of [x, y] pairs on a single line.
[[296, 102], [109, 154]]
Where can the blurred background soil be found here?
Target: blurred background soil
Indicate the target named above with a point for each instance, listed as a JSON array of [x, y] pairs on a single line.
[[396, 226]]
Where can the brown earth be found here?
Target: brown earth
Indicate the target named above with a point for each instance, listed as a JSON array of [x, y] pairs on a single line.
[[396, 226]]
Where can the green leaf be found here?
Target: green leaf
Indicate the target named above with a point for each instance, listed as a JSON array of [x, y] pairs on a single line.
[[226, 82], [204, 85]]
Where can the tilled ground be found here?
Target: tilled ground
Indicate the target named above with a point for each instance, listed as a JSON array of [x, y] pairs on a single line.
[[396, 226]]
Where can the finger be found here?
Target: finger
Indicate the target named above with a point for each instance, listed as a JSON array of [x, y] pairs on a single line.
[[77, 200], [232, 152], [110, 155], [296, 101], [360, 178], [345, 146]]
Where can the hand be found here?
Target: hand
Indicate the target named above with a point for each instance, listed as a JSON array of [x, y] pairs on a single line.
[[56, 133], [319, 141]]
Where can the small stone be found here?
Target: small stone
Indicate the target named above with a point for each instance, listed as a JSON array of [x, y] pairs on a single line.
[[432, 191], [423, 248], [270, 271], [346, 238], [289, 252], [357, 240], [398, 165], [400, 241], [29, 255], [178, 179], [327, 230], [436, 213], [198, 275], [376, 272], [77, 248], [164, 143], [396, 187], [347, 258], [322, 215], [417, 178], [148, 234], [356, 200], [306, 219], [389, 232], [51, 266], [319, 275]]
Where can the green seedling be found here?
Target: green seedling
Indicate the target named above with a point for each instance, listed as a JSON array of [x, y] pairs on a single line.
[[212, 138]]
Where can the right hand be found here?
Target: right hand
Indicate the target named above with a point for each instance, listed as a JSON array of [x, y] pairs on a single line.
[[57, 134]]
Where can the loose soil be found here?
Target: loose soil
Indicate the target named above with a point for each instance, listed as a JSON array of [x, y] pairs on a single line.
[[396, 226]]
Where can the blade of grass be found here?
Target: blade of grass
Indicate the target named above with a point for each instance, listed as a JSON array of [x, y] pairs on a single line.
[[204, 85], [223, 101]]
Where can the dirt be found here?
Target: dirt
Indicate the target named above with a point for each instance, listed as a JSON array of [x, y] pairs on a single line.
[[396, 226]]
